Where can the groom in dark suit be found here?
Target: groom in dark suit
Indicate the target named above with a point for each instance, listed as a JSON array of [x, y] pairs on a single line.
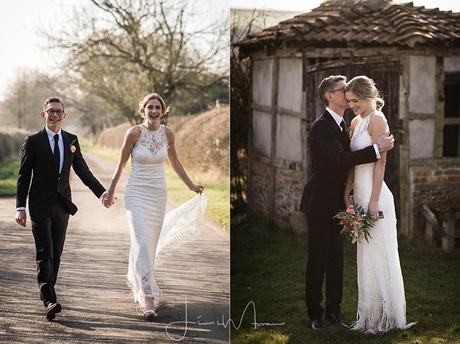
[[323, 197], [46, 158]]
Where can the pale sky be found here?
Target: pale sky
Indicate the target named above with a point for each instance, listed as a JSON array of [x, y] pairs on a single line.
[[22, 45]]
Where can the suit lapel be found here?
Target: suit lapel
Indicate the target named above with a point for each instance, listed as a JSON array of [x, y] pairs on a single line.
[[46, 146], [329, 117], [343, 135]]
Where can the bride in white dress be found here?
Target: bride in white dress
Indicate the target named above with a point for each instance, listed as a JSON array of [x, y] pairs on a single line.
[[381, 300], [149, 144]]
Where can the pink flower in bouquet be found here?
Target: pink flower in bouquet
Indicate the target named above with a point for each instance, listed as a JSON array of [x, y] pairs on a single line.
[[350, 209]]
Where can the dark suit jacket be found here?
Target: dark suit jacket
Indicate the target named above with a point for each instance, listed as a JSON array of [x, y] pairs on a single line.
[[48, 187], [330, 161]]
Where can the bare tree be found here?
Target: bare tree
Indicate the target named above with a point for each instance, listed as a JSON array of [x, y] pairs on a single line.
[[24, 99], [128, 48], [240, 111]]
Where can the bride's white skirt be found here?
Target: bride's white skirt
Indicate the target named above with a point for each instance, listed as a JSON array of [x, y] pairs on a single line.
[[153, 235], [381, 299]]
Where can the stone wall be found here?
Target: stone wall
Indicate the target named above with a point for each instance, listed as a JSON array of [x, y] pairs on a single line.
[[260, 186], [289, 186]]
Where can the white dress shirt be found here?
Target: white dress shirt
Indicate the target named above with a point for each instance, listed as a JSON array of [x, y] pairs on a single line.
[[60, 144], [337, 118]]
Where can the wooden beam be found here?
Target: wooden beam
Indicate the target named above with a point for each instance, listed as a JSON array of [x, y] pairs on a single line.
[[448, 240]]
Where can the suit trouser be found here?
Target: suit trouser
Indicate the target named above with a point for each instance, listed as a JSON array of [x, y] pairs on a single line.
[[49, 234], [325, 258]]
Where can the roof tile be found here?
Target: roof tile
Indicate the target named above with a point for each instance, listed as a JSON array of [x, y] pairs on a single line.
[[367, 22]]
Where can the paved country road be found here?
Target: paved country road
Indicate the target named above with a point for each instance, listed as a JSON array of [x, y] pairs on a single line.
[[97, 304]]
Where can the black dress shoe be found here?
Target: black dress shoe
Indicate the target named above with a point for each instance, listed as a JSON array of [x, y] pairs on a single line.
[[316, 324], [335, 318], [52, 309]]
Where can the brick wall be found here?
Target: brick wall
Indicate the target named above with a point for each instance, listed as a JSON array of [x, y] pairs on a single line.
[[437, 186]]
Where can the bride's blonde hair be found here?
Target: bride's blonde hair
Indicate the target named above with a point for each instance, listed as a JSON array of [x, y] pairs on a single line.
[[148, 98], [364, 87]]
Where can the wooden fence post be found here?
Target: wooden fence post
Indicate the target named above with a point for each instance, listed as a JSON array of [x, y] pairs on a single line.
[[448, 240]]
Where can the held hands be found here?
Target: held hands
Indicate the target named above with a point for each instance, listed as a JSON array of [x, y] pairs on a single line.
[[21, 218], [108, 200], [196, 188], [385, 142]]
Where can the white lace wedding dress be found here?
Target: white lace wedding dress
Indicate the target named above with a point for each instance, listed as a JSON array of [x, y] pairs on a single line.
[[381, 300], [153, 234]]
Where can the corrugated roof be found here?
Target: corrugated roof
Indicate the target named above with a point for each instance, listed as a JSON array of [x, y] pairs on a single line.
[[364, 23]]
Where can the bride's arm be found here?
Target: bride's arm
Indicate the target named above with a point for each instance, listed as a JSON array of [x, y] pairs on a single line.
[[377, 127], [349, 187], [176, 164], [131, 137]]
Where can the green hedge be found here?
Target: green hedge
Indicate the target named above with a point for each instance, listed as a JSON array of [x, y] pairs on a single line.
[[11, 140]]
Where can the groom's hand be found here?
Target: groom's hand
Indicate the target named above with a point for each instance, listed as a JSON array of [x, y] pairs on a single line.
[[385, 142], [21, 218]]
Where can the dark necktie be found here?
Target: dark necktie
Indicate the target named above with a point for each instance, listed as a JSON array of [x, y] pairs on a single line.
[[57, 155], [342, 125]]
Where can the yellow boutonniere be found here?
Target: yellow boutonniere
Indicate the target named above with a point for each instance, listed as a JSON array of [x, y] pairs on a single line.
[[72, 147]]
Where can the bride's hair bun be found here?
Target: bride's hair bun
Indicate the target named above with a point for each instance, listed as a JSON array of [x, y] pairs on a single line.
[[364, 87]]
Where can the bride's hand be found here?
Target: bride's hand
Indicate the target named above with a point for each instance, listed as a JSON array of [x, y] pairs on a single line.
[[348, 200], [373, 209], [196, 188]]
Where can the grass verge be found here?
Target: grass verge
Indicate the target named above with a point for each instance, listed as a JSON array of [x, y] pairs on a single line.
[[8, 176], [268, 267]]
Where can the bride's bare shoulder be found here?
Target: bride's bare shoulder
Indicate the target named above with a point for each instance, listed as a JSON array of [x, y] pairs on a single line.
[[133, 133], [134, 130], [378, 123], [169, 132]]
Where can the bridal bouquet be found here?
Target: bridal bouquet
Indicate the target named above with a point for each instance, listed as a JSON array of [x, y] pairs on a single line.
[[356, 223]]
